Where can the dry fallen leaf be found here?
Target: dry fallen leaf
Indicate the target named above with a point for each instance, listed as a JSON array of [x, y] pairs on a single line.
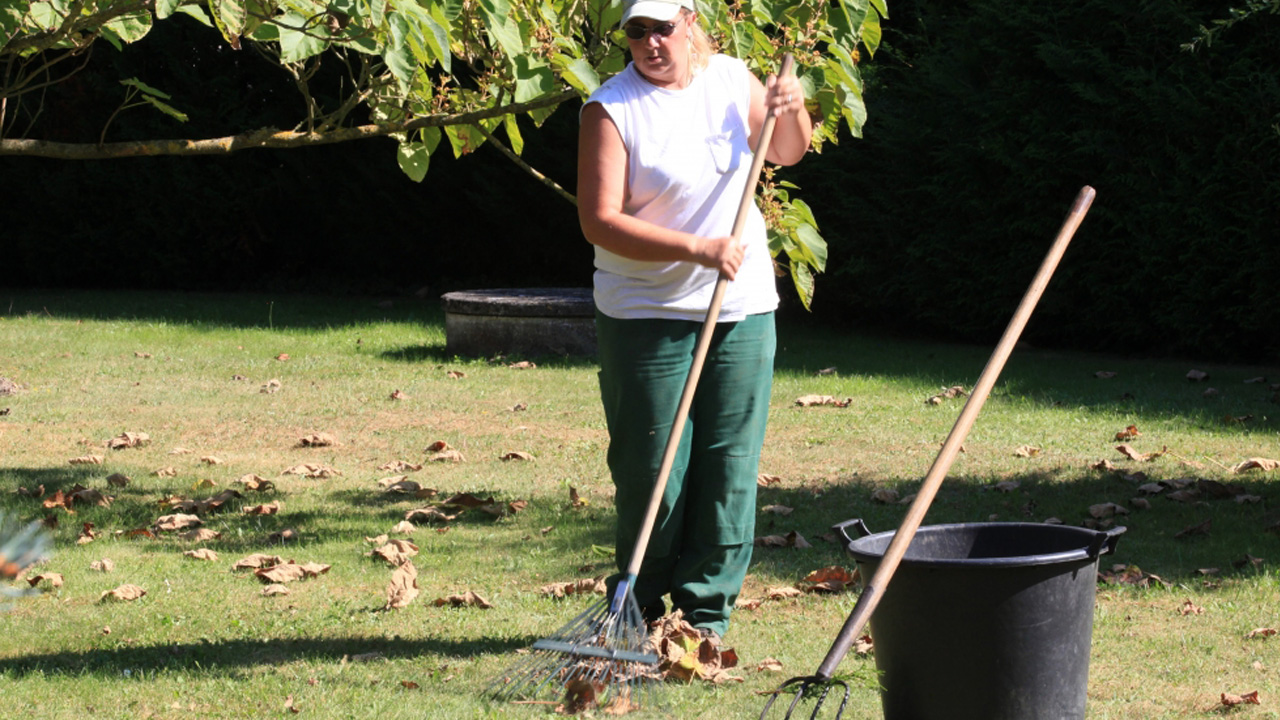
[[87, 496], [792, 539], [403, 587], [455, 374], [270, 387], [1263, 464], [450, 455], [585, 586], [777, 510], [1008, 486], [1026, 451], [311, 470], [105, 565], [685, 655], [256, 483], [1250, 698], [1127, 434], [275, 589], [396, 552], [165, 472], [267, 509], [522, 365], [1104, 374], [400, 466], [118, 480], [1103, 464], [1106, 510], [317, 440], [887, 496], [257, 561], [397, 395], [516, 455], [1247, 561], [765, 480], [1130, 575], [769, 665], [283, 536], [54, 580], [466, 599], [199, 535], [87, 534], [832, 579], [177, 521], [201, 554], [429, 515], [813, 400], [404, 527], [128, 440], [124, 592], [1128, 451], [401, 486], [86, 460], [1197, 375], [1260, 633]]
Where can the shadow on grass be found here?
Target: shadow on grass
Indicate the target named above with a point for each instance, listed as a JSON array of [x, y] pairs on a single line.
[[231, 656], [438, 354], [283, 311], [1169, 539]]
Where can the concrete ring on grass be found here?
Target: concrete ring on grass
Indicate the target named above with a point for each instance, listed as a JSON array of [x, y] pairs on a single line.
[[520, 321]]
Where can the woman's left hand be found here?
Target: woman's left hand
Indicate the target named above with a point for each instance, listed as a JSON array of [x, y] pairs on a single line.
[[783, 95]]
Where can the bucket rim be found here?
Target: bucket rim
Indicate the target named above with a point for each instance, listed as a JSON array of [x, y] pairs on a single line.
[[1093, 544]]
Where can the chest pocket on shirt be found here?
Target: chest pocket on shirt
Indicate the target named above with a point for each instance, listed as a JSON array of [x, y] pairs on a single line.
[[726, 156]]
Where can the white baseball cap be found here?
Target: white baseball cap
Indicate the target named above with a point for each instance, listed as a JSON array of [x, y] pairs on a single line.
[[660, 10]]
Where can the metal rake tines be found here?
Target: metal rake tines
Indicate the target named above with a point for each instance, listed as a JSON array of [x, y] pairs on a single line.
[[598, 659], [802, 687]]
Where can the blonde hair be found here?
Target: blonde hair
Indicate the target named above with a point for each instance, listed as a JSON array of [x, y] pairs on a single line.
[[700, 47]]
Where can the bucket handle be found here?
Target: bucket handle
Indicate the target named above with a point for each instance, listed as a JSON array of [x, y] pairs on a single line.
[[857, 525], [1105, 541]]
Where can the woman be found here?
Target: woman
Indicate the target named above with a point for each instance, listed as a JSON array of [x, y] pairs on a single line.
[[663, 158]]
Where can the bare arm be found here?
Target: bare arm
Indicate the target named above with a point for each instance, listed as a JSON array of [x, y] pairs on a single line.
[[602, 190], [783, 96]]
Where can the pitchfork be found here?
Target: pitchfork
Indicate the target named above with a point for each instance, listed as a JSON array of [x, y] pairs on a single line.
[[874, 589]]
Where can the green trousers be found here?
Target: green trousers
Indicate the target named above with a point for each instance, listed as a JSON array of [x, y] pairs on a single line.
[[701, 543]]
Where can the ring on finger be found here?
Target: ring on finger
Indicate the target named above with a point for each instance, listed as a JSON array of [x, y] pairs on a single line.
[[788, 98]]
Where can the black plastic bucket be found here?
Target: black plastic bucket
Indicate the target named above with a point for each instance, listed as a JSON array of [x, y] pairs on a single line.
[[984, 621]]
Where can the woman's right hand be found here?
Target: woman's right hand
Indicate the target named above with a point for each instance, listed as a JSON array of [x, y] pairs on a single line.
[[723, 254]]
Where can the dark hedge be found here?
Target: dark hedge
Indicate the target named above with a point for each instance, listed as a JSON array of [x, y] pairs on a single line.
[[988, 117]]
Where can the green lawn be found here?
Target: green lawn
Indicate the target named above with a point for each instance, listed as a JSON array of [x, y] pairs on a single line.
[[191, 372]]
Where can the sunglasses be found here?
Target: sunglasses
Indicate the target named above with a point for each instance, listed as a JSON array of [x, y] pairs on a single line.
[[640, 32]]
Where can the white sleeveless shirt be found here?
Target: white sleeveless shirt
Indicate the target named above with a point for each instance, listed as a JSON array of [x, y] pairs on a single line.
[[690, 156]]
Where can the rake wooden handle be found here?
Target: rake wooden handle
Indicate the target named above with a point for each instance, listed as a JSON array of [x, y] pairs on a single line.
[[874, 590], [704, 343]]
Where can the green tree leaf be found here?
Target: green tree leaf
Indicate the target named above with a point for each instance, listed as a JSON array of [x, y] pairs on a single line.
[[166, 108], [298, 45]]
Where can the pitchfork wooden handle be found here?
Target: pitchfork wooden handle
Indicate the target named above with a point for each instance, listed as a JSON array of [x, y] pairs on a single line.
[[874, 589]]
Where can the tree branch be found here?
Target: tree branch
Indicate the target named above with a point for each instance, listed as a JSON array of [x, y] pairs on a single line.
[[266, 138], [519, 161]]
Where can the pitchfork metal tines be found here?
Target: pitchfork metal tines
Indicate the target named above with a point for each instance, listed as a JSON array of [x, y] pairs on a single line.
[[599, 659], [809, 689]]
